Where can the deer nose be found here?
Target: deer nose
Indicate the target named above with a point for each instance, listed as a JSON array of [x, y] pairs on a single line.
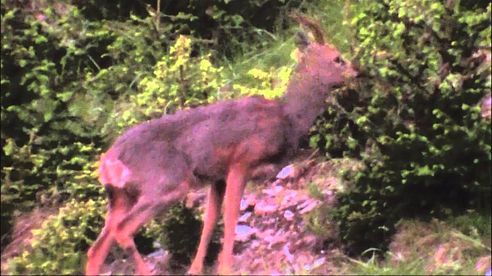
[[350, 71]]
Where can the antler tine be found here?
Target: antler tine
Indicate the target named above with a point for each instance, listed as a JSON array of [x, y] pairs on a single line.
[[311, 24]]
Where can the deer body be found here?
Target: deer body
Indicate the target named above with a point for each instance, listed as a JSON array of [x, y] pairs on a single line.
[[191, 145], [154, 164]]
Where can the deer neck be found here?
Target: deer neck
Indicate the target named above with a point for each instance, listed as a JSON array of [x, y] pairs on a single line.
[[303, 102]]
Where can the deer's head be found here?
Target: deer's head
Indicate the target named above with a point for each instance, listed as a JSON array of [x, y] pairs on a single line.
[[321, 60]]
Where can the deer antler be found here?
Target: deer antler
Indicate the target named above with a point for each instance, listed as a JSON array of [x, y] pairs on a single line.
[[311, 24]]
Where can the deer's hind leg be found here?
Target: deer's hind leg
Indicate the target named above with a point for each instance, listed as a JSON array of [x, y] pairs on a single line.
[[146, 207], [118, 205]]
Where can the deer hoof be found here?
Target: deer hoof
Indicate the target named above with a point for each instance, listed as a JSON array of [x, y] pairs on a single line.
[[194, 271]]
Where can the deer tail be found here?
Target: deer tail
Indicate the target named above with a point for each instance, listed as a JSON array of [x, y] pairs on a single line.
[[112, 171]]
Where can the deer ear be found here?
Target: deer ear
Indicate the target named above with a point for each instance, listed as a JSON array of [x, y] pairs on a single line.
[[301, 40]]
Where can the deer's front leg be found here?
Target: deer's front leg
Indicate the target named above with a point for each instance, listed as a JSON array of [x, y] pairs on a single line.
[[214, 202], [236, 180]]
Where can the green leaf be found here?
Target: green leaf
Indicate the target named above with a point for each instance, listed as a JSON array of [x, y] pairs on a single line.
[[9, 147]]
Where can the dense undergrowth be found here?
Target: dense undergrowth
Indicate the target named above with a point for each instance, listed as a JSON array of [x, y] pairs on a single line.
[[76, 74], [414, 119]]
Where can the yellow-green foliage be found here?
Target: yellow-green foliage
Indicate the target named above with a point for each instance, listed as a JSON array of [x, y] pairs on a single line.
[[80, 183], [59, 245], [270, 84], [178, 81]]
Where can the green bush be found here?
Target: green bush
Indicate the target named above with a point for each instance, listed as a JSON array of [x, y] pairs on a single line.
[[222, 25], [181, 229], [59, 246], [473, 224], [45, 143], [413, 118], [60, 77]]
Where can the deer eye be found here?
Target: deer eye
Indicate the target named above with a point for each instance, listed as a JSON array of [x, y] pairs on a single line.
[[339, 60]]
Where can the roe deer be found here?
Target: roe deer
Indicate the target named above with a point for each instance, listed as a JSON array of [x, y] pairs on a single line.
[[154, 164]]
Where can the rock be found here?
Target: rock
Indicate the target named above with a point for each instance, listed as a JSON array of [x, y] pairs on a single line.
[[301, 242], [263, 208], [245, 217], [288, 215], [248, 202], [256, 263], [273, 235], [302, 205], [287, 253], [274, 191], [309, 207], [120, 267], [243, 205], [287, 172], [309, 240], [244, 232], [269, 240], [279, 237], [255, 244], [251, 200], [317, 263], [289, 199], [269, 222], [268, 237], [265, 234]]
